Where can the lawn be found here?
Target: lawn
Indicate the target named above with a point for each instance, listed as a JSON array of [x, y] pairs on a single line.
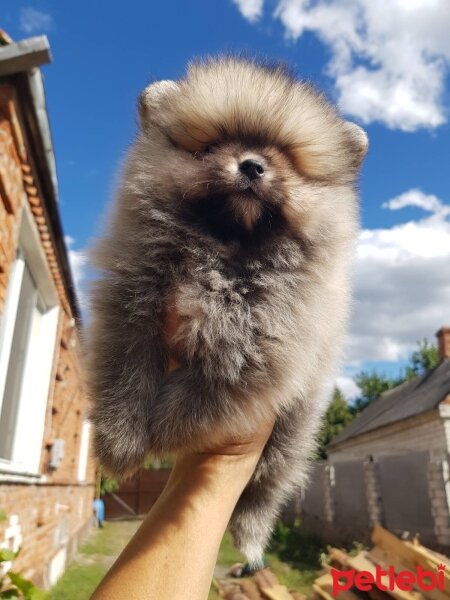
[[93, 561], [97, 555], [301, 553]]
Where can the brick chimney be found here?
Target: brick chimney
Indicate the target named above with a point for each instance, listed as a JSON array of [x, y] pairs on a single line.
[[443, 336]]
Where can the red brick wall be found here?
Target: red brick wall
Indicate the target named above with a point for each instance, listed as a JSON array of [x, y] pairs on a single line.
[[11, 186], [50, 518], [50, 513]]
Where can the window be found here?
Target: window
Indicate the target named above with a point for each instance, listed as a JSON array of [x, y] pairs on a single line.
[[27, 342], [84, 451]]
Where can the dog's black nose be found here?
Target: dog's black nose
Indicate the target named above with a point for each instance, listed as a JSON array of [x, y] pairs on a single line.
[[251, 168]]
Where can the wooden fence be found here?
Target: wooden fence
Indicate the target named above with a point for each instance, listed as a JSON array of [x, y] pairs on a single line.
[[137, 495]]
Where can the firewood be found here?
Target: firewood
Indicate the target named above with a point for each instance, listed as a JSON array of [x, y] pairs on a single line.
[[323, 587], [276, 592], [250, 589], [411, 555], [297, 595], [265, 578]]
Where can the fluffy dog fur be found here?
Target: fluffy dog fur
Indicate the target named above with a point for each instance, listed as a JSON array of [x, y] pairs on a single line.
[[256, 272]]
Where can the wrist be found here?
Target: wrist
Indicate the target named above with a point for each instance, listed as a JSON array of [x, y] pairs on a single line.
[[214, 472]]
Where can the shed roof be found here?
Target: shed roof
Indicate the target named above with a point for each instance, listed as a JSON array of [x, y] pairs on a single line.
[[409, 399]]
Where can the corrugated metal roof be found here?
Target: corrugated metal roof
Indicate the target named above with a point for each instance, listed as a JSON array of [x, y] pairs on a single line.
[[406, 400]]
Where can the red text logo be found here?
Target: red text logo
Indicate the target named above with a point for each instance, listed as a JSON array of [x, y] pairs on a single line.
[[388, 579]]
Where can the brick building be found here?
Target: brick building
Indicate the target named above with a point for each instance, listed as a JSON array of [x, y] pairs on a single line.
[[413, 416], [391, 464], [47, 477]]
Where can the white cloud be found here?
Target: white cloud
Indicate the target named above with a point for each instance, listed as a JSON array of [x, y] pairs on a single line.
[[401, 282], [32, 20], [250, 9], [389, 60], [78, 262], [348, 387], [415, 197]]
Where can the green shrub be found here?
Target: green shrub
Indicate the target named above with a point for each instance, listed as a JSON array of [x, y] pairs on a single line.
[[294, 546], [108, 484], [13, 585]]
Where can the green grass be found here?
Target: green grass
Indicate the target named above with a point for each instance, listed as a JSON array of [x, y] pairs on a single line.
[[111, 539], [78, 581], [95, 558], [213, 594], [294, 557], [300, 579], [228, 555]]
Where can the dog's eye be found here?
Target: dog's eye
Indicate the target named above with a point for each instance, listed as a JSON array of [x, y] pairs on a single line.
[[205, 150]]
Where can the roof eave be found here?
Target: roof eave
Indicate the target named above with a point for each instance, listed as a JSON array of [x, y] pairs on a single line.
[[336, 443], [23, 56], [22, 60]]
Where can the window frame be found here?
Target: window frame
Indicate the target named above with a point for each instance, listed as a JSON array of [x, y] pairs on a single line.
[[31, 411], [83, 456]]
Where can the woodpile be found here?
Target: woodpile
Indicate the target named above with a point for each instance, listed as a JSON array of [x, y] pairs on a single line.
[[393, 568], [263, 585]]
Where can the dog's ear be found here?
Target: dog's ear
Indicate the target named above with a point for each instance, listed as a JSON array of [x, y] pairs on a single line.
[[358, 139], [153, 99]]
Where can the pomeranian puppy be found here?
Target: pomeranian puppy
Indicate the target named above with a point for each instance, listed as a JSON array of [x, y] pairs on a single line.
[[237, 212]]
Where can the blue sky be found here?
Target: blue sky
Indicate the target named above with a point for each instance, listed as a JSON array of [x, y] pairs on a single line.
[[385, 65]]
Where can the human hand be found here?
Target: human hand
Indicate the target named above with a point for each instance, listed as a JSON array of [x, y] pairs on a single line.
[[243, 450], [183, 530]]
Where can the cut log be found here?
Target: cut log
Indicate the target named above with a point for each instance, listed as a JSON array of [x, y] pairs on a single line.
[[320, 592], [297, 595], [362, 563], [323, 587], [276, 592], [250, 589], [265, 578], [338, 557]]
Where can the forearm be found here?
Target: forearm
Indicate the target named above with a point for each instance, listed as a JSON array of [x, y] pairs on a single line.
[[172, 555]]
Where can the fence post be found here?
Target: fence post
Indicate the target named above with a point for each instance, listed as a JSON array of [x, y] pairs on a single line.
[[373, 491], [329, 482], [439, 491]]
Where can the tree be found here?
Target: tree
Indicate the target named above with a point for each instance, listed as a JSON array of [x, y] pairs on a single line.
[[425, 358], [108, 484], [336, 418], [373, 384]]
